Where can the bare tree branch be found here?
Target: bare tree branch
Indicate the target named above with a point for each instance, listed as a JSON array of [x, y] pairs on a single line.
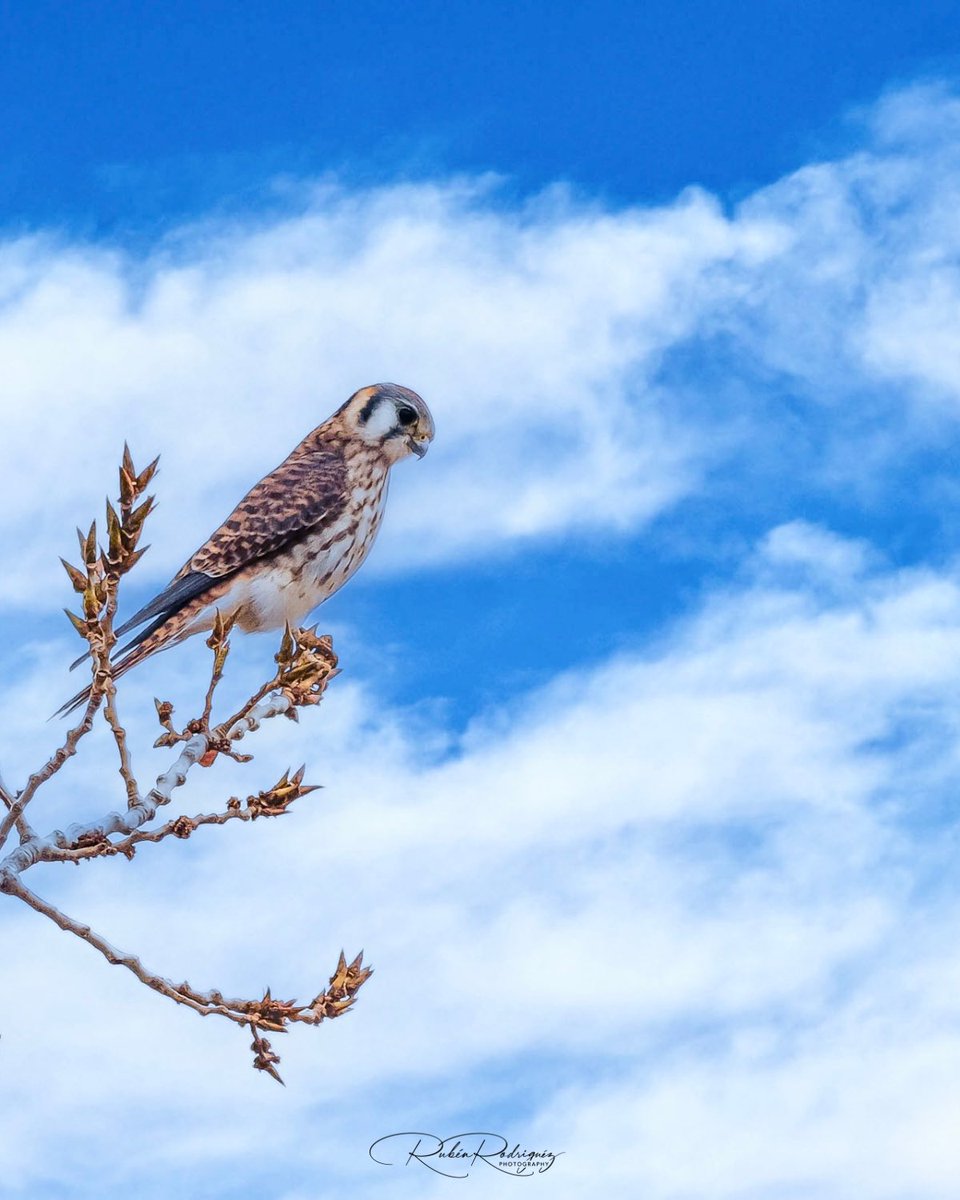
[[47, 771], [8, 801], [273, 802], [305, 665], [266, 1013]]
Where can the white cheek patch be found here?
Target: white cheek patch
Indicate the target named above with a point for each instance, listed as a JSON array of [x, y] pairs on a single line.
[[381, 421]]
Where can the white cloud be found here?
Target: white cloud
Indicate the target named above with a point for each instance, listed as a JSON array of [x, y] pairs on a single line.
[[706, 883], [687, 915], [523, 329], [865, 291], [550, 338]]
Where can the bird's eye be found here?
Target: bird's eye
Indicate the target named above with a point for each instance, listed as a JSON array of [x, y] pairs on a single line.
[[406, 416]]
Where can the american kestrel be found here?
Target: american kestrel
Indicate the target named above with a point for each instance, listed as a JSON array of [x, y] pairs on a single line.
[[296, 537]]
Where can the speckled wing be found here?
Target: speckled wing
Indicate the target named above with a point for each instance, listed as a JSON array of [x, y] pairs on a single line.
[[302, 494], [298, 496]]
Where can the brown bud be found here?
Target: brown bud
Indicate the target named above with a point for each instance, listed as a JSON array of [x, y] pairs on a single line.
[[77, 577]]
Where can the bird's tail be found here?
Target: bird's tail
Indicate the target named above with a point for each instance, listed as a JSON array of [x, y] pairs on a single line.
[[167, 629], [121, 667]]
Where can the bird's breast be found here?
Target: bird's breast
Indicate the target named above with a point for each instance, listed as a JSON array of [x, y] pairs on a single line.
[[308, 571]]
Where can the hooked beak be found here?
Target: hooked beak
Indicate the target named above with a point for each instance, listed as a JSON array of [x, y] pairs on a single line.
[[419, 448]]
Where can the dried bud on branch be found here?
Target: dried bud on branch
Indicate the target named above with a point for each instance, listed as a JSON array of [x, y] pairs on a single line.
[[305, 665]]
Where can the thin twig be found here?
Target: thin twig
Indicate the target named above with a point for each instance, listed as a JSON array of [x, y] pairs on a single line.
[[239, 718], [48, 770], [37, 849], [265, 1013], [305, 665], [123, 751], [272, 803], [16, 887], [180, 827], [8, 800], [105, 683]]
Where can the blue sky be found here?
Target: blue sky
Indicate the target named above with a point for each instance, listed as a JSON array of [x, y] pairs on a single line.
[[639, 783], [118, 113]]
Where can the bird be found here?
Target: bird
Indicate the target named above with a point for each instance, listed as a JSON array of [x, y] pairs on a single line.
[[295, 538]]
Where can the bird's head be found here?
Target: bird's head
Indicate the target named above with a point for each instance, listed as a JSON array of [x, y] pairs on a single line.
[[391, 418]]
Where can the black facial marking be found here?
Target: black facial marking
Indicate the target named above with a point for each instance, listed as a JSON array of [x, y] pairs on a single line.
[[406, 415], [367, 411]]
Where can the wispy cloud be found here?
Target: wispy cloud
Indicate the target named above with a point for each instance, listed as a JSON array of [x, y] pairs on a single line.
[[687, 915], [555, 339], [715, 859], [522, 329]]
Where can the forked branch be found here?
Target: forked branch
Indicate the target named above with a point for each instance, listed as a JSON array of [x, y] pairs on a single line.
[[305, 664]]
